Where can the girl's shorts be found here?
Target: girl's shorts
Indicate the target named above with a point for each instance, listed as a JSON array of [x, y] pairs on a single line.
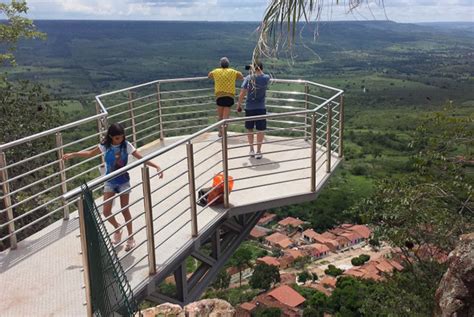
[[123, 188]]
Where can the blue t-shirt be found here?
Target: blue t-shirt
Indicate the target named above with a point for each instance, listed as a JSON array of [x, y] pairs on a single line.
[[256, 90], [115, 157]]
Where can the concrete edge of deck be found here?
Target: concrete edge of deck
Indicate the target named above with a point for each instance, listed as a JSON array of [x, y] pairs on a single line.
[[285, 200]]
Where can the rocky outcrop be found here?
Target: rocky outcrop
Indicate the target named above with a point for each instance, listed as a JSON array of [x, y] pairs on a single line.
[[202, 308], [164, 310], [209, 307], [455, 294]]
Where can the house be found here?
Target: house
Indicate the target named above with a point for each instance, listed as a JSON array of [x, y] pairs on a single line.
[[279, 240], [269, 260], [235, 274], [257, 233], [266, 219], [362, 230], [316, 250], [374, 269], [289, 224], [285, 298], [245, 309], [310, 235], [295, 254]]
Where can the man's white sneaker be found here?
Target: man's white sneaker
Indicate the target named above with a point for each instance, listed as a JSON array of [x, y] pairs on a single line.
[[258, 155], [252, 153]]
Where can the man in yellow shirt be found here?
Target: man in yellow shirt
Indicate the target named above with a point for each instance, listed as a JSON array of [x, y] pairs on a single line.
[[224, 87]]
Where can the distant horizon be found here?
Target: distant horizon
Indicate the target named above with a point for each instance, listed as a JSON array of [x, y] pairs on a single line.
[[241, 21]]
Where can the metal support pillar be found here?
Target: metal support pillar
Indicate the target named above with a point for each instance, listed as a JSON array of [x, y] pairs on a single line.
[[181, 282], [192, 189], [62, 173], [7, 202], [149, 220]]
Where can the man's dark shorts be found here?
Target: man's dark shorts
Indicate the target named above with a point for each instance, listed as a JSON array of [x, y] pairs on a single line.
[[260, 125], [225, 101]]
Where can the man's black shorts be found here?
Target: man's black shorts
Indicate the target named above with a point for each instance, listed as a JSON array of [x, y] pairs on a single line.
[[260, 125], [225, 101]]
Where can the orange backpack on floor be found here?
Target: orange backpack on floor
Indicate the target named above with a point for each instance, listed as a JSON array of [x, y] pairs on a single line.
[[215, 194]]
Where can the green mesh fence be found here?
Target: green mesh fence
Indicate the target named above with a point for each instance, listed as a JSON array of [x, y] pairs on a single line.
[[111, 294]]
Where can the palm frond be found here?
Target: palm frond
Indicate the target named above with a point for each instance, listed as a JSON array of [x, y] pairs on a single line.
[[279, 24]]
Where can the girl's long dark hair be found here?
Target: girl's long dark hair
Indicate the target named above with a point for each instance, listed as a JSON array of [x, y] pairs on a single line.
[[113, 130]]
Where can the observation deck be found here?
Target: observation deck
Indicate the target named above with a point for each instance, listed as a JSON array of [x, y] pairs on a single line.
[[173, 123]]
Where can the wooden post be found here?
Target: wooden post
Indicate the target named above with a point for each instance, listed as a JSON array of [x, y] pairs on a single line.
[[149, 220], [132, 117]]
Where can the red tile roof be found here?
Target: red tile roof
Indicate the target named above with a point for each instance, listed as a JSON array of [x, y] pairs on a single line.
[[257, 233], [269, 260], [248, 306], [328, 235], [279, 239], [362, 230], [266, 218], [310, 233], [320, 248], [294, 253], [286, 295], [290, 221]]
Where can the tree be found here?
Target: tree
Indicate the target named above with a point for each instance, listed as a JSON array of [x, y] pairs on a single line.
[[360, 260], [314, 277], [17, 28], [242, 259], [426, 210], [333, 271], [222, 280], [264, 276], [303, 277], [280, 22]]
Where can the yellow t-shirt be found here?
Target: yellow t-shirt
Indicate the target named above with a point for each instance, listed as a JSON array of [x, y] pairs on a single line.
[[224, 81]]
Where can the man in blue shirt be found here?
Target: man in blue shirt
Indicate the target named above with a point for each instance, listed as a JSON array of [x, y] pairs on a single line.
[[255, 88]]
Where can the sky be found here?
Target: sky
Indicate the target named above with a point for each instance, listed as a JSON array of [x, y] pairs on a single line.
[[246, 10]]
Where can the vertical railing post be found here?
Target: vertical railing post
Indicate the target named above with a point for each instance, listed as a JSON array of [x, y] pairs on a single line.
[[85, 255], [341, 126], [225, 165], [328, 138], [132, 116], [62, 173], [313, 152], [7, 202], [101, 126], [306, 106], [149, 220], [192, 189], [160, 114]]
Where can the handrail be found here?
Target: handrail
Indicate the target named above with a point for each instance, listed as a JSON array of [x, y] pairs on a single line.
[[75, 192], [52, 131]]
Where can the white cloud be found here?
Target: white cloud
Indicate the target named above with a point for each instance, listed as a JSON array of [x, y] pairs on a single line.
[[244, 10]]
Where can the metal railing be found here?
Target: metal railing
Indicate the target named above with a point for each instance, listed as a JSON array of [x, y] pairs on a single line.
[[297, 109]]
